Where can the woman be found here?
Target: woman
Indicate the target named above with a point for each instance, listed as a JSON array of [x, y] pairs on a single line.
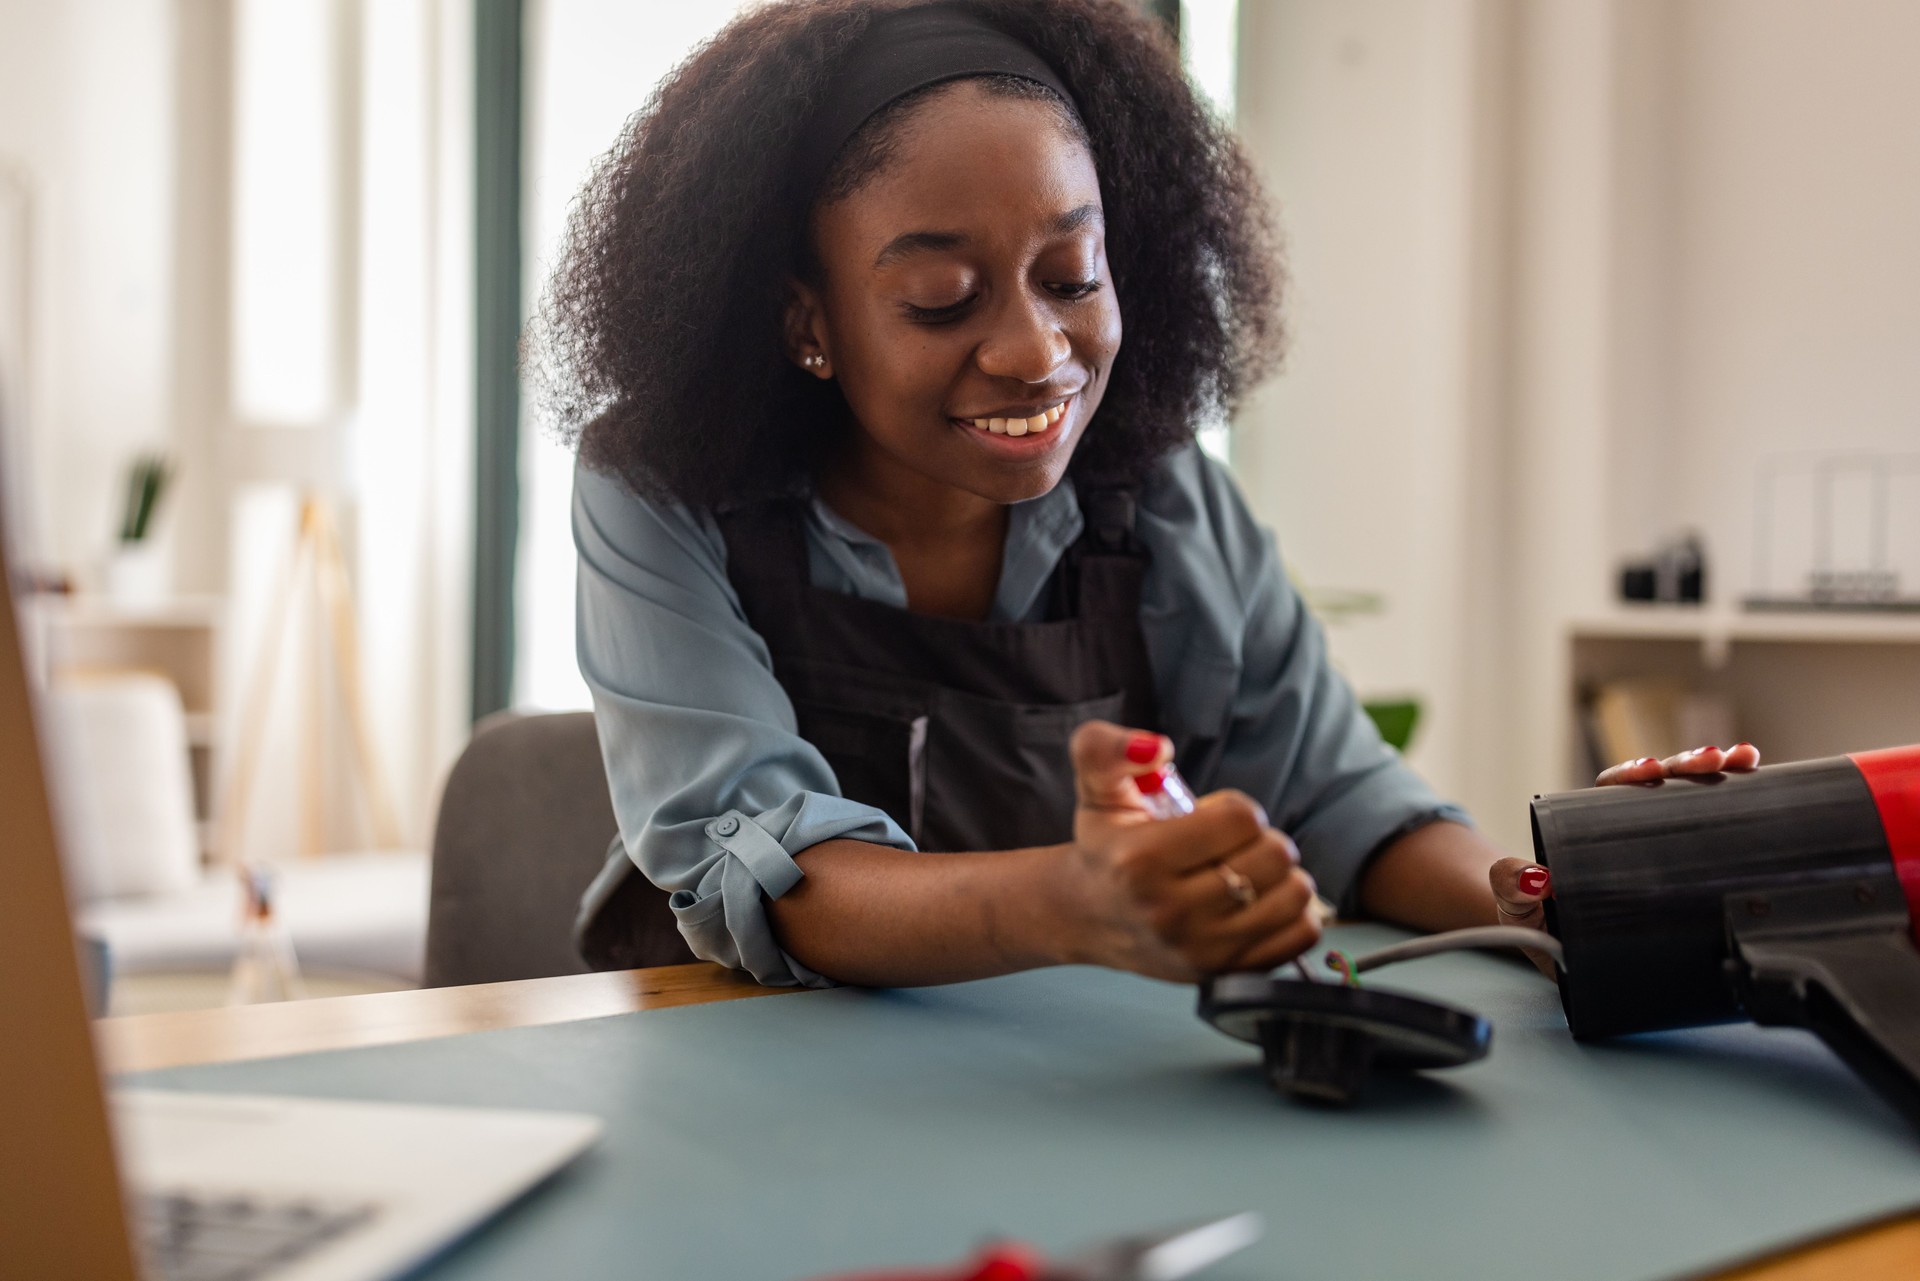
[[891, 544]]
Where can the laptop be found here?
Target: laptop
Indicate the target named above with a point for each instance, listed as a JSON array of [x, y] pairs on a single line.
[[185, 1186]]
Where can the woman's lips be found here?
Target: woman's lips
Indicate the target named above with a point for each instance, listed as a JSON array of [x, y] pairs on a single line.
[[1041, 421]]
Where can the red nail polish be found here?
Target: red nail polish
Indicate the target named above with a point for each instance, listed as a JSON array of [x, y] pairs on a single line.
[[1142, 748], [1006, 1262], [1536, 881], [1648, 760]]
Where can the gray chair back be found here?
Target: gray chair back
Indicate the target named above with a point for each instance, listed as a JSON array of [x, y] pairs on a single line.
[[525, 824]]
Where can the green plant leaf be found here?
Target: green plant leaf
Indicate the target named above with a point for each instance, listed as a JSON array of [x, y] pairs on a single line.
[[1395, 719]]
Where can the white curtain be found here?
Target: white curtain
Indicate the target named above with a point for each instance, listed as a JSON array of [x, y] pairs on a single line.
[[591, 64], [372, 408]]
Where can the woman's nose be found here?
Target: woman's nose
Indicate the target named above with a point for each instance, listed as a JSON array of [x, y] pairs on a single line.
[[1026, 344]]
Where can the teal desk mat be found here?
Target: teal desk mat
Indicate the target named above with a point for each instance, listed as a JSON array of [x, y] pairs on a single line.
[[797, 1135]]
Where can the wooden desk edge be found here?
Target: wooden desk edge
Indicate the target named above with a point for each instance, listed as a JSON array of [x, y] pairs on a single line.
[[227, 1034], [1886, 1251]]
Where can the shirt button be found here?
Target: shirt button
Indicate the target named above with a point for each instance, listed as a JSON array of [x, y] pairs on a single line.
[[726, 826]]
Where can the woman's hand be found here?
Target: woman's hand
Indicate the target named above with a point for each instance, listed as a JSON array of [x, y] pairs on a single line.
[[1210, 892], [1738, 759], [1520, 887]]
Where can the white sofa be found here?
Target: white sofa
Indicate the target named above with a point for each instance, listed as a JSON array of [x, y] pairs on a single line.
[[117, 746]]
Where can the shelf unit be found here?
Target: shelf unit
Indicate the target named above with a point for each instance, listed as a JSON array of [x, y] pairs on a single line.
[[180, 639], [1717, 630], [1801, 685]]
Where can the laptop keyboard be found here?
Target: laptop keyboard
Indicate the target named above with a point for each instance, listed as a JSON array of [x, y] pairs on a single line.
[[193, 1236]]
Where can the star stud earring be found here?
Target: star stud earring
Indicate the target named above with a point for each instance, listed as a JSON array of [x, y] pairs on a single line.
[[815, 361]]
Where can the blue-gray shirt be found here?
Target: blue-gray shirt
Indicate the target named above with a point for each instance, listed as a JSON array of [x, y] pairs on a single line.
[[716, 792]]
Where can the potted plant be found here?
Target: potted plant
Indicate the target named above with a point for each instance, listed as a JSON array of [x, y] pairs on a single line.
[[137, 568]]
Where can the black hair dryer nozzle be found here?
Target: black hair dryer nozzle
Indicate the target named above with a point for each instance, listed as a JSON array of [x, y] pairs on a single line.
[[1790, 896]]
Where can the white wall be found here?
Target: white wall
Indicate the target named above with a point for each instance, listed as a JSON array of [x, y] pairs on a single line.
[[86, 113], [1559, 367], [1715, 265], [1373, 124], [1790, 177], [1565, 273]]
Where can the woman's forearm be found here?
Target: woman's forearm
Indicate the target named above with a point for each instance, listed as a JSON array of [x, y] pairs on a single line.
[[1433, 878], [883, 917]]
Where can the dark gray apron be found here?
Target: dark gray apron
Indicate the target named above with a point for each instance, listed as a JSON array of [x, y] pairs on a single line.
[[956, 729]]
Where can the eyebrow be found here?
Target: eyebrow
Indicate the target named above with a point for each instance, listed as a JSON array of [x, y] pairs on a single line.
[[1074, 219], [915, 242]]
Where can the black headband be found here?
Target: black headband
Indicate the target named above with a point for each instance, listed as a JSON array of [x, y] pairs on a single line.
[[901, 51]]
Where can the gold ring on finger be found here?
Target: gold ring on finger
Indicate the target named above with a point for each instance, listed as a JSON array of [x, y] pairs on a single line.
[[1239, 888]]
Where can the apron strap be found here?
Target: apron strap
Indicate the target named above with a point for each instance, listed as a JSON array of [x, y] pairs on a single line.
[[1100, 576], [1109, 515], [766, 554]]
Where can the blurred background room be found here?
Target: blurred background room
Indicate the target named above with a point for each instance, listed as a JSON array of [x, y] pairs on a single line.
[[1599, 434]]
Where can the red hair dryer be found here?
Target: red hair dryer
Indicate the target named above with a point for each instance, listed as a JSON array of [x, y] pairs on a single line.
[[1790, 896]]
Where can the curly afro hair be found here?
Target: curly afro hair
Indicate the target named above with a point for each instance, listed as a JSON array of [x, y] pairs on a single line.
[[660, 338]]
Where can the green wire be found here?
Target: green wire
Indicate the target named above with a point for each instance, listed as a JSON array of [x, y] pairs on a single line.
[[1341, 962]]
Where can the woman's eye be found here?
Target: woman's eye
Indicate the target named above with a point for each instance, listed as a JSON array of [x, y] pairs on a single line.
[[936, 315], [1074, 290]]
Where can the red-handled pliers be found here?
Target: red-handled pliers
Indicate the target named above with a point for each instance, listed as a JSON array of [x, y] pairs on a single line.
[[1164, 1256]]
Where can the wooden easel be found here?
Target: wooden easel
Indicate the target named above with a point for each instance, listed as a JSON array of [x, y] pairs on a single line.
[[317, 557], [266, 968]]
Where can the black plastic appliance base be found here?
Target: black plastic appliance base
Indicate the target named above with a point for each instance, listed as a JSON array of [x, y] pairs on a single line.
[[1322, 1041]]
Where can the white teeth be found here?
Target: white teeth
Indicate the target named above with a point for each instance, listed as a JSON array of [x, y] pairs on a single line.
[[1021, 426]]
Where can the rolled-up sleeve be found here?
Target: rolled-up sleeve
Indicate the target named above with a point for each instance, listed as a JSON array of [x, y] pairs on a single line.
[[1298, 739], [714, 790]]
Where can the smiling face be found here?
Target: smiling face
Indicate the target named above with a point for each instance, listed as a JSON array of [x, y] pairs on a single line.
[[964, 304]]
